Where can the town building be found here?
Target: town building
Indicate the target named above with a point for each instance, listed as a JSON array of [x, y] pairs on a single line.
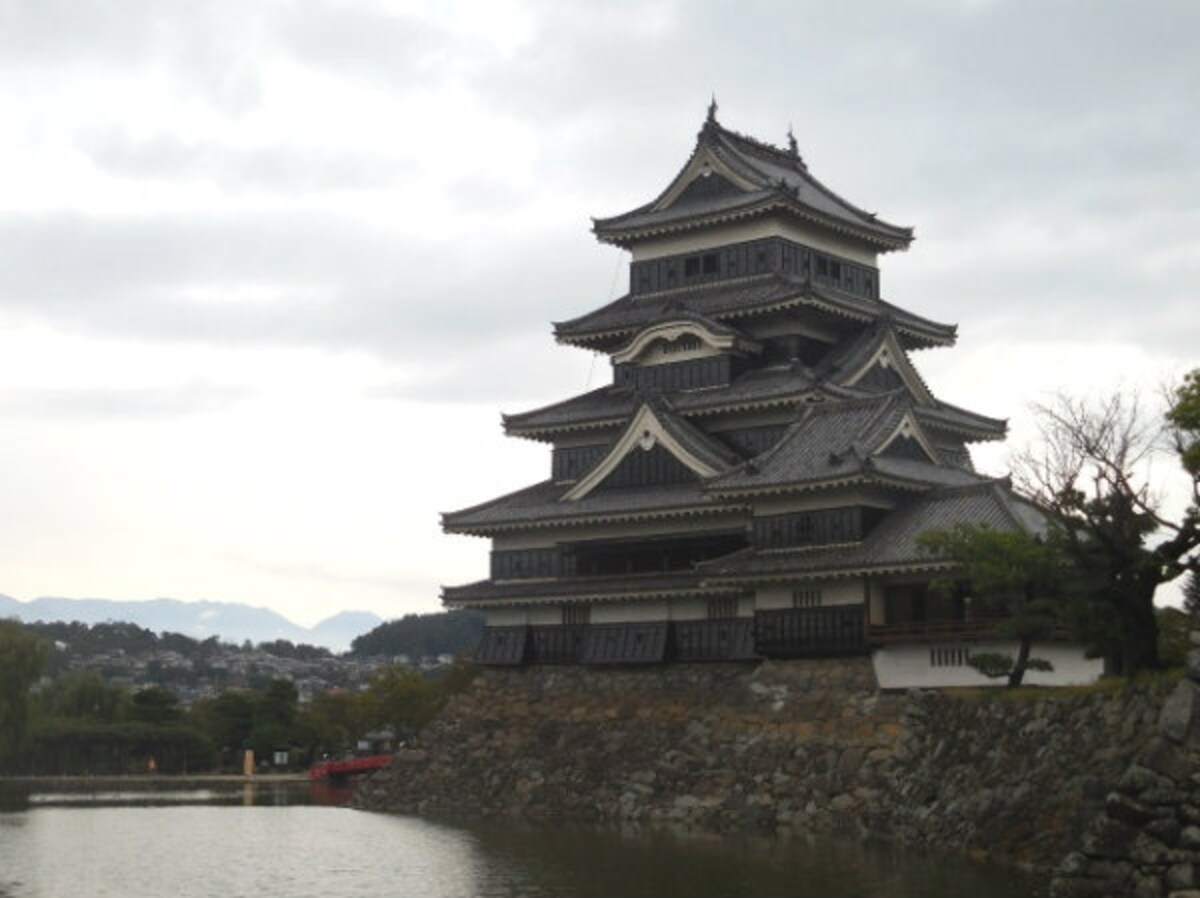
[[752, 482]]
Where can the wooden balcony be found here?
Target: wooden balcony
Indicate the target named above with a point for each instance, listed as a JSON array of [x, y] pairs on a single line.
[[810, 632], [934, 631], [731, 639], [977, 629]]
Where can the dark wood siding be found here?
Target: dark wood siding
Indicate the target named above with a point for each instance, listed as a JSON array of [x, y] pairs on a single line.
[[906, 447], [881, 379], [814, 528], [713, 640], [625, 643], [807, 632], [523, 564], [647, 468], [691, 374], [573, 462], [556, 644], [754, 257], [502, 646]]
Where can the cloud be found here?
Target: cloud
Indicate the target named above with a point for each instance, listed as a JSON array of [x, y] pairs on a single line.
[[275, 168], [274, 279], [195, 398]]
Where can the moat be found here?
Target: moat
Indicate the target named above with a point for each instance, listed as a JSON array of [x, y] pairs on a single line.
[[276, 840]]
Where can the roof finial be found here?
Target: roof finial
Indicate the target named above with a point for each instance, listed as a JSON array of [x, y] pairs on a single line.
[[712, 109], [793, 147]]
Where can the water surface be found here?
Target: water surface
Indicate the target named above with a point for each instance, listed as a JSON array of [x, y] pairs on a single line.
[[229, 842]]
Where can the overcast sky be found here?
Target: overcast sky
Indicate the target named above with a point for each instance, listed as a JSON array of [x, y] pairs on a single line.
[[270, 271]]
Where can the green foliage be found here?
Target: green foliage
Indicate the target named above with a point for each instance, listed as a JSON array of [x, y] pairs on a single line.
[[83, 695], [156, 705], [1191, 594], [22, 656], [1184, 420], [422, 635], [285, 648], [1011, 572], [226, 719], [994, 665], [1107, 519], [399, 698], [66, 746], [1174, 636]]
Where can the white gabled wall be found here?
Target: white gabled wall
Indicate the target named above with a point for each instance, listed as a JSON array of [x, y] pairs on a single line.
[[912, 666]]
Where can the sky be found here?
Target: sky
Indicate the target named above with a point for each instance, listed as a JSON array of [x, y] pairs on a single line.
[[270, 271]]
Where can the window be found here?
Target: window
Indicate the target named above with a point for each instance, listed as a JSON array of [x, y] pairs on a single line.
[[691, 267], [576, 615], [949, 656], [710, 263], [807, 597], [722, 608]]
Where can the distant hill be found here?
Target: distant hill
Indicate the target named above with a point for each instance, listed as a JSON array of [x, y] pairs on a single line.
[[423, 635], [229, 621]]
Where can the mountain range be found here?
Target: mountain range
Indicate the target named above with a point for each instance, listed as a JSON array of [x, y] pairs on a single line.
[[228, 621]]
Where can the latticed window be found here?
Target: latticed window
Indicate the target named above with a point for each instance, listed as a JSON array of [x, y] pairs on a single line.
[[722, 607], [949, 656], [576, 615], [806, 598]]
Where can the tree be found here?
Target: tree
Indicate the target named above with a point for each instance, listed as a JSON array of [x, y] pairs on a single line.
[[1013, 572], [421, 635], [22, 656], [83, 695], [1108, 520], [398, 697], [1191, 594], [156, 705]]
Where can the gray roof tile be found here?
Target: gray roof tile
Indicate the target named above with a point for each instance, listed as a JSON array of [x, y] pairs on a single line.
[[729, 300], [893, 543], [781, 181]]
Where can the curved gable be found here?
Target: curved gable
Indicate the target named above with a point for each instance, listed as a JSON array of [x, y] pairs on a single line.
[[647, 432], [707, 175], [885, 366], [678, 339]]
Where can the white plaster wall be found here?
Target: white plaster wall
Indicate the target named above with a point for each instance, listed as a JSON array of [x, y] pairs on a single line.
[[754, 230], [545, 615], [908, 666], [688, 609], [847, 591], [506, 617]]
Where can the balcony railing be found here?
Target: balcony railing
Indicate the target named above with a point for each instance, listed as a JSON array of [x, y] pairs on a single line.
[[713, 640], [976, 629], [809, 632]]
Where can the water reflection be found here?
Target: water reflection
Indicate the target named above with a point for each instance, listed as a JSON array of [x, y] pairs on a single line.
[[540, 862], [203, 843]]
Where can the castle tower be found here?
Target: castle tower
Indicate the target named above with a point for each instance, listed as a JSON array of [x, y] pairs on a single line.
[[753, 480]]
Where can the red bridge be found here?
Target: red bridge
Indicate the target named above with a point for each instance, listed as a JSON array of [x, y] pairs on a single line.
[[348, 767]]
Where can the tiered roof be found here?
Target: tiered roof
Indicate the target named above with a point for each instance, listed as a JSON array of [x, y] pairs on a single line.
[[859, 415], [893, 545], [732, 177], [730, 301]]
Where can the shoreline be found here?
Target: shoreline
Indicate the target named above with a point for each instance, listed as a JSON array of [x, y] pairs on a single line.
[[173, 780]]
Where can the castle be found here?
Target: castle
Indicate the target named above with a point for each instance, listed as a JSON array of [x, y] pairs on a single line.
[[752, 482]]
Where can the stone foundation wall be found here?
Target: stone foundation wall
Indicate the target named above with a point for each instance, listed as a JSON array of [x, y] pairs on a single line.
[[1146, 841], [810, 745]]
